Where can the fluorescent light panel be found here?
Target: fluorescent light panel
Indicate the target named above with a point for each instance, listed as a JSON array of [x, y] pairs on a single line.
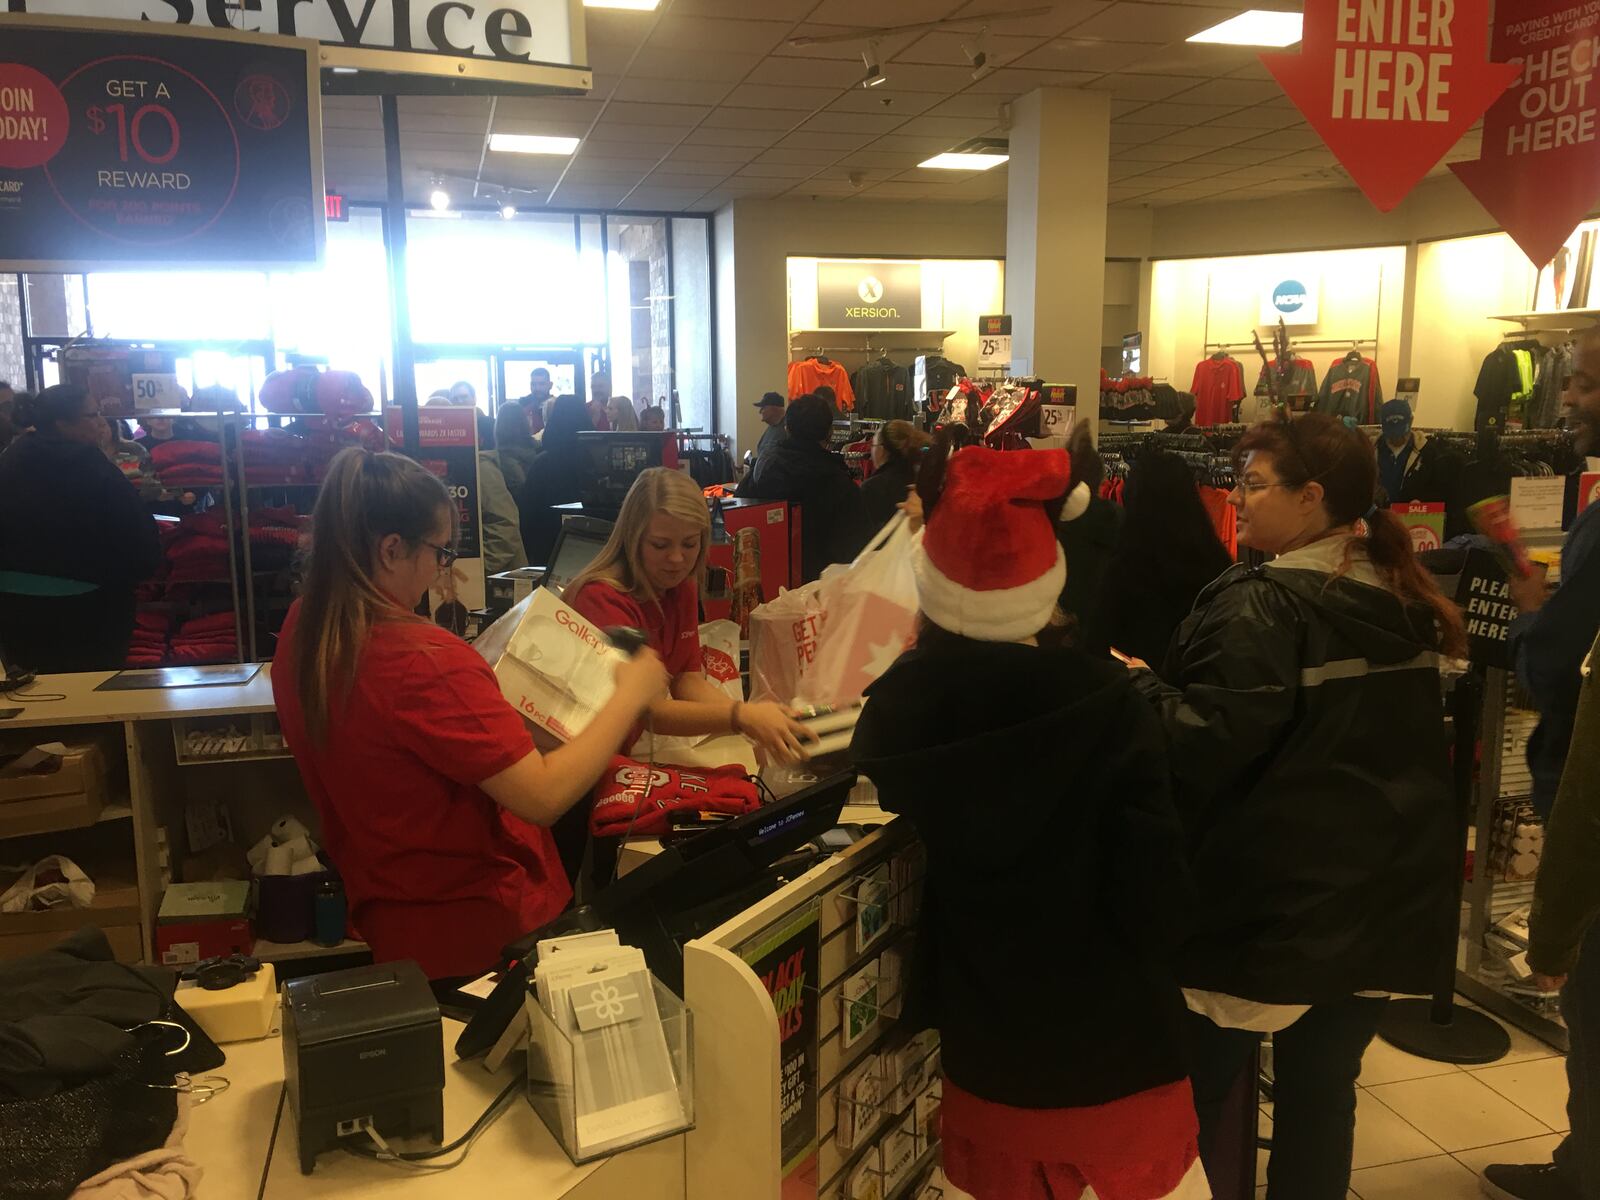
[[531, 143], [1257, 27], [950, 161]]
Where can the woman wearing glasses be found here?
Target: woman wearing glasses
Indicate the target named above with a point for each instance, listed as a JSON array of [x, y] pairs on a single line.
[[1307, 736], [434, 803]]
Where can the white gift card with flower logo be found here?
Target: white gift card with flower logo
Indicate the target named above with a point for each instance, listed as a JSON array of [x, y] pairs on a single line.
[[608, 1001]]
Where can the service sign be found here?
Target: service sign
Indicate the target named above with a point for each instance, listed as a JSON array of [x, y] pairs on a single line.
[[1392, 85], [139, 148], [859, 294], [1539, 171], [539, 43]]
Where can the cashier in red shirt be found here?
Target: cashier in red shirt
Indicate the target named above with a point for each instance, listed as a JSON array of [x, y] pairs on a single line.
[[434, 803], [648, 578]]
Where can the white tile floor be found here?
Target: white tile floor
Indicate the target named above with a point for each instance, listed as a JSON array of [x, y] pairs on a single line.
[[1425, 1129]]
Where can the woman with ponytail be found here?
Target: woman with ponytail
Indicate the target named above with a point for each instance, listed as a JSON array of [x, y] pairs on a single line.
[[1306, 727], [435, 805]]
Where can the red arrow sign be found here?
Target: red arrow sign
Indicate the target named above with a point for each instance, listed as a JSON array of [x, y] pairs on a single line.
[[1391, 85], [1539, 174]]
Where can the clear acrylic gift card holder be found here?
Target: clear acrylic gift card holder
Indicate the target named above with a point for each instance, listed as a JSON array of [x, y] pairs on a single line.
[[623, 1077]]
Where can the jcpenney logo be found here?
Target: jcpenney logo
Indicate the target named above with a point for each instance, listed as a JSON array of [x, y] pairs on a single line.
[[1289, 296], [501, 29]]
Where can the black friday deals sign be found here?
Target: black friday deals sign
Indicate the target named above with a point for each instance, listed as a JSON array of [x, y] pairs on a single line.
[[142, 148]]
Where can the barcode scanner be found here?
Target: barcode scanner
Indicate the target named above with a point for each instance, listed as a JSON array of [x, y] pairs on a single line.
[[626, 638]]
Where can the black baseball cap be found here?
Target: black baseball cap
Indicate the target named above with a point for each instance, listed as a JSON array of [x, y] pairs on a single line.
[[771, 399]]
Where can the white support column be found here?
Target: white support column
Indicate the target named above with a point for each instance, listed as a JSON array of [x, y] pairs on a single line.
[[1056, 236]]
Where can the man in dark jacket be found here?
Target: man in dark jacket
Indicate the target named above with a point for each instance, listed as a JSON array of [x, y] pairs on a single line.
[[804, 471], [74, 541], [1550, 640], [770, 408]]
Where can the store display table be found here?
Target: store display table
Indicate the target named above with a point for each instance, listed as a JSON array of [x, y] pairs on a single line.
[[80, 704], [245, 1140]]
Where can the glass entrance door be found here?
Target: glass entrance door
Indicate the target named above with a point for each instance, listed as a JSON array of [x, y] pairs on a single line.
[[565, 366]]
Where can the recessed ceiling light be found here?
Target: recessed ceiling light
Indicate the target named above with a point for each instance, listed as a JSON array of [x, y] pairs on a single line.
[[631, 5], [531, 143], [951, 161], [344, 70], [440, 199], [1257, 27], [508, 211]]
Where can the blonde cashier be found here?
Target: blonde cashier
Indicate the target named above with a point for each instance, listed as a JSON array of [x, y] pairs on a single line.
[[434, 803], [648, 577]]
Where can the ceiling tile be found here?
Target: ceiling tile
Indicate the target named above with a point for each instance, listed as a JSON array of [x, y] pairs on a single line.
[[667, 62], [1233, 156], [532, 110], [1126, 133], [670, 91], [921, 145], [715, 142], [814, 159], [955, 128], [679, 165], [786, 10], [882, 14], [614, 27], [850, 47], [1014, 81], [944, 49], [1085, 54], [811, 139], [1154, 153], [853, 122], [1183, 170], [769, 170], [704, 35], [1258, 118], [1177, 112], [1204, 135], [784, 71], [1142, 87], [1286, 140], [1063, 15], [824, 187], [1232, 92], [1193, 58], [900, 104], [1134, 22], [635, 113], [898, 190], [800, 99], [751, 118], [843, 173], [661, 135], [968, 105], [894, 160]]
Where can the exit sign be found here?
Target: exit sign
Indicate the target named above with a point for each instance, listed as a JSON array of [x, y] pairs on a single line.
[[334, 204]]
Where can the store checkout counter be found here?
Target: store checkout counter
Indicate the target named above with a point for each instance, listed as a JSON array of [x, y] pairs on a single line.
[[765, 1090]]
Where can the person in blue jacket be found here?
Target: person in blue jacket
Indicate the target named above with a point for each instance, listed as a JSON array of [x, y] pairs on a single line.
[[1550, 639]]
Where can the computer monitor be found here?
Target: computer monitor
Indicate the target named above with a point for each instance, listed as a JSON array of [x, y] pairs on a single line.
[[577, 545]]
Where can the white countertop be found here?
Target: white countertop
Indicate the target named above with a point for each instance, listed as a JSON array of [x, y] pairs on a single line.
[[80, 704]]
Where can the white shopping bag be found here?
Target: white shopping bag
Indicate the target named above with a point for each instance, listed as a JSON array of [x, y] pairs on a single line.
[[555, 666], [869, 618], [719, 656], [52, 882], [783, 639]]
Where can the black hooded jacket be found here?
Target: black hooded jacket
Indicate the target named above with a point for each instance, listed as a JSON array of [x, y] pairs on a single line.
[[1056, 888], [1306, 728], [832, 520]]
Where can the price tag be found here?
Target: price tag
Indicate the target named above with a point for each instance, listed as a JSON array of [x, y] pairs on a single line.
[[1056, 420], [156, 391], [1537, 503], [994, 351]]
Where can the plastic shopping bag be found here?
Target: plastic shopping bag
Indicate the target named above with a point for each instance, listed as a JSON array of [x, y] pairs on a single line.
[[869, 612], [783, 639], [719, 656], [52, 882], [557, 668]]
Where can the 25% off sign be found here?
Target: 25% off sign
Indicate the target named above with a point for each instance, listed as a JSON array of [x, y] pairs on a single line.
[[136, 148]]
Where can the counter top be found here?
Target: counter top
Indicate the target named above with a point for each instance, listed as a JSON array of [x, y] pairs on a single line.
[[80, 704], [246, 1142]]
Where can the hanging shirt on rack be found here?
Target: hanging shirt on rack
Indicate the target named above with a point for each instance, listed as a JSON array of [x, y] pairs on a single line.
[[1297, 386], [1543, 410], [808, 374], [1505, 381], [883, 391], [1351, 389], [1218, 385]]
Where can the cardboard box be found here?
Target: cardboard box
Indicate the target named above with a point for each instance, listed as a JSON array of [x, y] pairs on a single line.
[[70, 794], [203, 920], [127, 944], [115, 910], [555, 666]]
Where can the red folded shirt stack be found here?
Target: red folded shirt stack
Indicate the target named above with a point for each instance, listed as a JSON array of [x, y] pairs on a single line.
[[148, 648], [275, 457], [187, 464], [274, 536], [198, 552], [206, 640]]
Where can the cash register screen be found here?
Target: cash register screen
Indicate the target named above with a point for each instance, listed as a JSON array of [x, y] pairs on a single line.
[[575, 552]]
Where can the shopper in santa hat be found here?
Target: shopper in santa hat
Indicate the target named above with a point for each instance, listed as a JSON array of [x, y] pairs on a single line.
[[1056, 885]]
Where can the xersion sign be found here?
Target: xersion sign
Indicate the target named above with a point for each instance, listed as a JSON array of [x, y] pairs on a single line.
[[533, 41], [1539, 173], [1391, 85]]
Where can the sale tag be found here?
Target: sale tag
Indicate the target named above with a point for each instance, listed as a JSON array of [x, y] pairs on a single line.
[[1055, 420], [1424, 522], [1536, 503], [994, 351], [157, 391], [1588, 489]]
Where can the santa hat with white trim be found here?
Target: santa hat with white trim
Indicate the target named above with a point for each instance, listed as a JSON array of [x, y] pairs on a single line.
[[990, 567]]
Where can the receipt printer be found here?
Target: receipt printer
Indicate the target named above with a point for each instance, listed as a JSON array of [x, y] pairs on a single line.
[[363, 1049]]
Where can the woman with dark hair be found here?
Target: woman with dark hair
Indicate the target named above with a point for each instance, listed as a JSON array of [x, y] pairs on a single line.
[[1088, 528], [896, 449], [1306, 726], [1089, 1091], [435, 805], [555, 477], [74, 540], [1168, 552]]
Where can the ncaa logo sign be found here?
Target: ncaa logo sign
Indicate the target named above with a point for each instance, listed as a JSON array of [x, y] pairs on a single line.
[[1289, 297], [870, 289]]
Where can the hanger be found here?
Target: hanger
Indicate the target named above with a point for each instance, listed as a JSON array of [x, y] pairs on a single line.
[[1354, 355]]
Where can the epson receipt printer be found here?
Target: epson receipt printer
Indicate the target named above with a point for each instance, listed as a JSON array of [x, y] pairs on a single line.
[[363, 1048]]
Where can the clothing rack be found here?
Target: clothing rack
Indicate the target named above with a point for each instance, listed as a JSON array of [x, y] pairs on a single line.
[[1302, 344]]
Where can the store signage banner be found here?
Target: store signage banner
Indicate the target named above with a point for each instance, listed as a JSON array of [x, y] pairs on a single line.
[[869, 295], [1539, 172], [1290, 297], [1392, 85], [1424, 522], [1485, 601], [137, 148], [788, 962], [1536, 503], [418, 37]]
